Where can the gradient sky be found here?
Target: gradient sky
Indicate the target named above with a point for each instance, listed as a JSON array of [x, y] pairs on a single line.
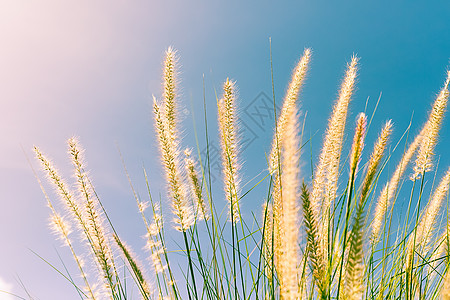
[[89, 68]]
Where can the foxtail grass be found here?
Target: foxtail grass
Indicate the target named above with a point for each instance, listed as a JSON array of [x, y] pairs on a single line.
[[333, 235]]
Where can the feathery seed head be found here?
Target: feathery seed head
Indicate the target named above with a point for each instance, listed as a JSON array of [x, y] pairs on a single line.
[[336, 127], [289, 105], [390, 188], [358, 142], [92, 214], [289, 217], [424, 160], [156, 249], [327, 170], [375, 158], [168, 147], [74, 148], [169, 89], [60, 186], [156, 226], [290, 100], [60, 227], [50, 171], [153, 244], [328, 167], [88, 221], [229, 145], [76, 153], [380, 147], [354, 286], [195, 186], [134, 265]]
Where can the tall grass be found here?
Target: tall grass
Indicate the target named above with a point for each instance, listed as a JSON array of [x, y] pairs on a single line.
[[330, 236]]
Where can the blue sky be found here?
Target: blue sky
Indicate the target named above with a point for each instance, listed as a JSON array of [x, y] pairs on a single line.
[[89, 69]]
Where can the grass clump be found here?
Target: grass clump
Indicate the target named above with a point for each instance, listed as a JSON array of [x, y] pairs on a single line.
[[326, 238]]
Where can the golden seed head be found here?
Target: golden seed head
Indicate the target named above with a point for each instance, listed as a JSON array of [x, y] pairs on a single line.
[[375, 158], [166, 129], [290, 100], [170, 90], [380, 146], [390, 188], [327, 170], [289, 259], [424, 160], [289, 105], [168, 147], [60, 227], [358, 142], [195, 185], [229, 145]]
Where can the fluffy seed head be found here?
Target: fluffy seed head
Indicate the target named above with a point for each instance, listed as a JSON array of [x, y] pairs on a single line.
[[335, 132], [166, 129], [135, 266], [65, 195], [380, 146], [196, 189], [290, 101], [383, 202], [60, 227], [229, 145], [327, 170], [153, 244], [97, 241], [358, 142], [289, 260], [424, 160], [170, 160], [96, 232], [170, 91], [289, 104], [375, 158]]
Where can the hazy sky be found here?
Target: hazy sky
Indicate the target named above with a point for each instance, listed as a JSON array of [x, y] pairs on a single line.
[[89, 68]]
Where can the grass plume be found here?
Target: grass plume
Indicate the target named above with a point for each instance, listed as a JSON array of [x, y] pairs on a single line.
[[431, 131], [327, 169], [229, 143], [289, 107]]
